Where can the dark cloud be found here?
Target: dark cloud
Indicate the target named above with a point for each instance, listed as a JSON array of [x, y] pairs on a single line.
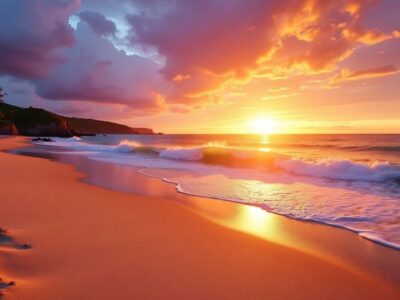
[[96, 71], [218, 36], [31, 32]]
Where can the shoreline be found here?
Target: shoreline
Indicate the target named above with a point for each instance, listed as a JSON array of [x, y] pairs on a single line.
[[59, 158], [365, 221], [307, 268]]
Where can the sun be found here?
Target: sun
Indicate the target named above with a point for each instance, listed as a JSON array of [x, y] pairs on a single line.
[[263, 125]]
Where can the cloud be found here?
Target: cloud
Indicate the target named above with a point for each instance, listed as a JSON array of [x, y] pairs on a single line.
[[182, 54], [31, 32], [96, 71], [180, 109], [376, 72], [69, 109], [207, 43], [322, 34], [98, 23], [279, 96]]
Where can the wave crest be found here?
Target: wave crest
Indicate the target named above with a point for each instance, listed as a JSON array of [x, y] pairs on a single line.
[[190, 154], [339, 169], [217, 154], [126, 146], [342, 169]]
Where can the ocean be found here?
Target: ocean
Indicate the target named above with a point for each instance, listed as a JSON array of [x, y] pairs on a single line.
[[350, 181]]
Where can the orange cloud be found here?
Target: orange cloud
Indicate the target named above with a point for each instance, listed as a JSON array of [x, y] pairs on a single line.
[[180, 109], [321, 34], [180, 77], [280, 96], [273, 39], [377, 72], [368, 37]]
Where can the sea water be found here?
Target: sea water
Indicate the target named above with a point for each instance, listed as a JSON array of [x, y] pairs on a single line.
[[351, 181]]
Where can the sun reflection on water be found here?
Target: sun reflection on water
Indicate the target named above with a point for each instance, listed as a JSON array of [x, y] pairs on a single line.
[[264, 139], [263, 149]]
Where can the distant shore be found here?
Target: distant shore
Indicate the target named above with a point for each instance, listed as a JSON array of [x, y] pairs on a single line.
[[88, 242]]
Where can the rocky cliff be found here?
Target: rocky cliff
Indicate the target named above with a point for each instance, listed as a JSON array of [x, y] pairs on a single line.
[[39, 122], [35, 122], [90, 126]]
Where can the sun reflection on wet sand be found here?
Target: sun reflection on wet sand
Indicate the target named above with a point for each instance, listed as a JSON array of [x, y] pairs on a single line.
[[249, 219], [256, 220]]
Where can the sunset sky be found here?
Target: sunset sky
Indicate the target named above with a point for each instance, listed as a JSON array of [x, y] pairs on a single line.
[[207, 66]]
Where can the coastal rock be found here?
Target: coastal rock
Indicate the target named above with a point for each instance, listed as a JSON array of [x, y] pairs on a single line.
[[40, 139]]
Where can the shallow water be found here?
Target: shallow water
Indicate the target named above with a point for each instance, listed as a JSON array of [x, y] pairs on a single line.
[[350, 181]]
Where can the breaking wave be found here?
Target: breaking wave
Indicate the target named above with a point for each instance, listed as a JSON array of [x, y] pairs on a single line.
[[342, 169], [338, 169]]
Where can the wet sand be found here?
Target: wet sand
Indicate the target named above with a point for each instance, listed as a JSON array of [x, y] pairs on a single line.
[[90, 242]]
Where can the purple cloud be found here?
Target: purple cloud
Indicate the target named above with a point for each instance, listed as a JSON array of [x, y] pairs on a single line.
[[31, 32], [98, 22], [96, 71]]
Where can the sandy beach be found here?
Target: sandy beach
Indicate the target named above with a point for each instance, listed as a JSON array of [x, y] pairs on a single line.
[[90, 242]]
